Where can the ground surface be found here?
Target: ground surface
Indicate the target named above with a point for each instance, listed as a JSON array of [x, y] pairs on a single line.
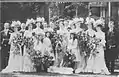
[[54, 75]]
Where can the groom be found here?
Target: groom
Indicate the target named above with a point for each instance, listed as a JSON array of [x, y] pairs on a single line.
[[5, 47]]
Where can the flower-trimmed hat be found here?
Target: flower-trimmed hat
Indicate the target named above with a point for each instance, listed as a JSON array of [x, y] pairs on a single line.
[[30, 21], [40, 19], [41, 34], [15, 24], [98, 22], [76, 20], [6, 23], [89, 20]]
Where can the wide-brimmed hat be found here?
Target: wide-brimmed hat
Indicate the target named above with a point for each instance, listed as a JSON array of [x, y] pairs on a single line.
[[89, 20], [76, 20], [60, 20], [98, 22], [15, 24], [6, 23], [40, 19], [41, 34], [30, 21]]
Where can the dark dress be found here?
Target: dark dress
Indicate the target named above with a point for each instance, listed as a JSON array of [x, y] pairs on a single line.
[[5, 48]]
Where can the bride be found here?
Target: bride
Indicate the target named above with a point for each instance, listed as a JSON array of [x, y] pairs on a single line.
[[14, 64]]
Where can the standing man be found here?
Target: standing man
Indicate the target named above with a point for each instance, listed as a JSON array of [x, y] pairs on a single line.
[[5, 47], [111, 46]]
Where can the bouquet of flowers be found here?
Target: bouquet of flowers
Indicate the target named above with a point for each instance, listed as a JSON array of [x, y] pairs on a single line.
[[38, 57], [17, 42], [41, 61], [83, 39], [92, 44], [29, 43], [87, 44], [68, 59]]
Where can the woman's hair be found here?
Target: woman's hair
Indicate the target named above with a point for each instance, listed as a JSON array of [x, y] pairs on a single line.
[[41, 26], [46, 33], [99, 25], [74, 36], [74, 25], [29, 25]]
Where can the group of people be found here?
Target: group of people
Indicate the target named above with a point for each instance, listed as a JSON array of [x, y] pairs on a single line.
[[57, 39]]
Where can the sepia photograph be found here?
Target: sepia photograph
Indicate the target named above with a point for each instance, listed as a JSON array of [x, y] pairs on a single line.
[[59, 38]]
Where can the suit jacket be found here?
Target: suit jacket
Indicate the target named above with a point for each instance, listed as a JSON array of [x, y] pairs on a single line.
[[111, 38], [5, 37]]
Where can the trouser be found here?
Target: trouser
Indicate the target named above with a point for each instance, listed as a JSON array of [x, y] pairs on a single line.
[[111, 55], [4, 56], [110, 66]]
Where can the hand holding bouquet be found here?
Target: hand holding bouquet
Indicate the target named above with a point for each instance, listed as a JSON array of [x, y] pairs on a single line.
[[17, 42]]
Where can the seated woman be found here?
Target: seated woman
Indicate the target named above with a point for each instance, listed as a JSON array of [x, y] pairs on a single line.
[[47, 44]]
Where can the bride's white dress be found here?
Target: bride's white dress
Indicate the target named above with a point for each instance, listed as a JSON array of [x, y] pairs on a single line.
[[14, 63]]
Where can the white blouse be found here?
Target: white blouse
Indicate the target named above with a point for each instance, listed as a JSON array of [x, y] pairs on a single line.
[[101, 35], [28, 33]]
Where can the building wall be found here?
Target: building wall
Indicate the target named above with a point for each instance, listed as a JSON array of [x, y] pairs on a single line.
[[114, 12]]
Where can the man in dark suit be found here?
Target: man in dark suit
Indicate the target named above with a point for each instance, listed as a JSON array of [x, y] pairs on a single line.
[[5, 47], [112, 40]]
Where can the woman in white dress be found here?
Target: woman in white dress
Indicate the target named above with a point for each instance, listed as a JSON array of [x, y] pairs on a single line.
[[73, 48], [27, 64], [90, 58], [14, 64], [38, 44], [47, 44], [99, 61], [62, 30], [81, 62]]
